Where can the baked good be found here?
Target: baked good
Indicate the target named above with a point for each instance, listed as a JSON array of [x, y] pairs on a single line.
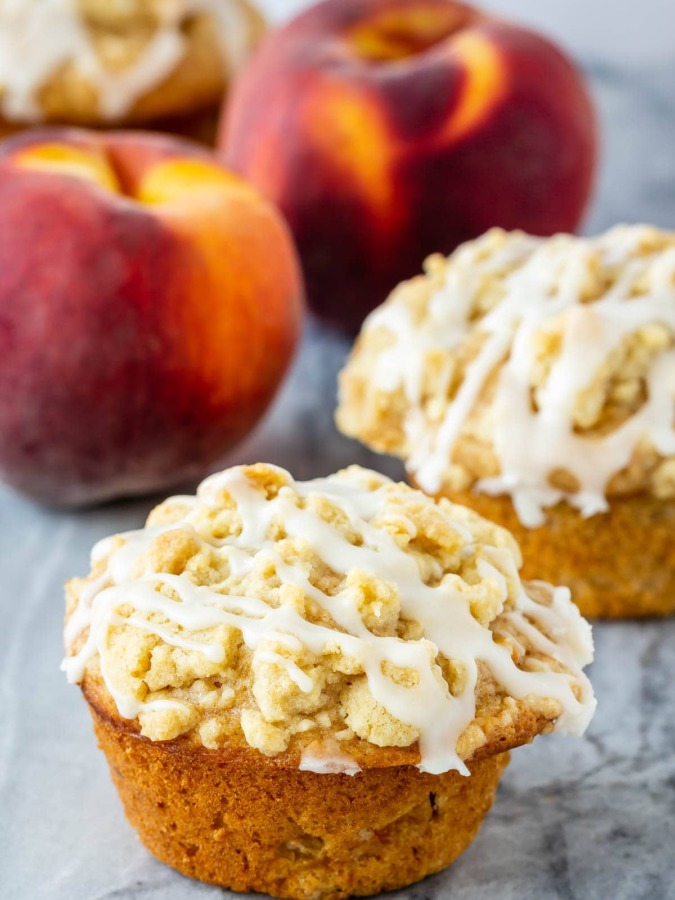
[[534, 379], [290, 677], [111, 62]]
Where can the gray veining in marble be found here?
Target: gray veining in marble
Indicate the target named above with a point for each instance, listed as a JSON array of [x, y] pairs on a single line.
[[589, 819]]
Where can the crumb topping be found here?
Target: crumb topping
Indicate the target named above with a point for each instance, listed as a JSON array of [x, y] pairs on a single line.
[[338, 609], [539, 368]]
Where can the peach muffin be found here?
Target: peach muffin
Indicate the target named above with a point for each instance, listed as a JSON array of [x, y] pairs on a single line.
[[104, 62], [310, 689], [534, 380]]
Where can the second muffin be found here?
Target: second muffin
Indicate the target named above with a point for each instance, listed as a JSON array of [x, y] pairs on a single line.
[[309, 689], [534, 380]]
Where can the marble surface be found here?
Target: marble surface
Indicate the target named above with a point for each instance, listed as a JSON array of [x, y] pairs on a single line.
[[589, 819]]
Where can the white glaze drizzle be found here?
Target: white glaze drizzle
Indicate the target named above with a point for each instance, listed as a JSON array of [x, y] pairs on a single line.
[[545, 283], [442, 611], [326, 758], [38, 37]]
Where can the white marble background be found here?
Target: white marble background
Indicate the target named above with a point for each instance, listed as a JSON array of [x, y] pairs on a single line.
[[590, 819]]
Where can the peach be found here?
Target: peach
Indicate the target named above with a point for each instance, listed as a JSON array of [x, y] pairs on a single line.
[[150, 304], [389, 129]]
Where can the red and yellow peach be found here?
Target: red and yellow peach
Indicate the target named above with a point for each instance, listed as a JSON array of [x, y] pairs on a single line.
[[149, 306], [389, 129]]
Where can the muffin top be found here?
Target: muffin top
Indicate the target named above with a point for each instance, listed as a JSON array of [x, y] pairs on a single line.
[[336, 623], [86, 59], [539, 368]]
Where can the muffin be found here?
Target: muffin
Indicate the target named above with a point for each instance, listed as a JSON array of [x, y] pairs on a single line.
[[112, 62], [310, 689], [534, 380]]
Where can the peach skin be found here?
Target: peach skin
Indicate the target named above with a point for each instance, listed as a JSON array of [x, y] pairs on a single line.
[[150, 305], [389, 129]]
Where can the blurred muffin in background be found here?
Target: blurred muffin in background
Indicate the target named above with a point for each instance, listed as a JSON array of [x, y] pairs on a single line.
[[534, 380], [121, 62]]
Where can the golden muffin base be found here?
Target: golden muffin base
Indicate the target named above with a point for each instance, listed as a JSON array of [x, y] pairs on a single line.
[[240, 820], [618, 565]]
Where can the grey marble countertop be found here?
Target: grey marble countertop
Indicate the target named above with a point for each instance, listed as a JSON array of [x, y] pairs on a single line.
[[588, 819]]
